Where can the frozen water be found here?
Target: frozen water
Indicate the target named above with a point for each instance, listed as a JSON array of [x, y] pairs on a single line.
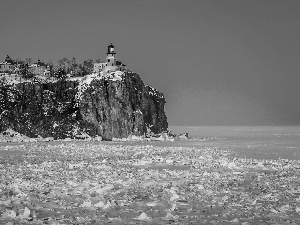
[[260, 142]]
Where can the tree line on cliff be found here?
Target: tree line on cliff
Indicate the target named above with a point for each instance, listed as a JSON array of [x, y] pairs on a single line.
[[63, 67]]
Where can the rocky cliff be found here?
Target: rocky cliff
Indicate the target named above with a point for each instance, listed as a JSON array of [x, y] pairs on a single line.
[[109, 105]]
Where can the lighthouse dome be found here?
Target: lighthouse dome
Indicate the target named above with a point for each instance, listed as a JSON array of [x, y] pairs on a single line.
[[111, 49]]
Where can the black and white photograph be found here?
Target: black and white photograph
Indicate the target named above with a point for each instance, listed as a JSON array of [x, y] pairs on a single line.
[[122, 112]]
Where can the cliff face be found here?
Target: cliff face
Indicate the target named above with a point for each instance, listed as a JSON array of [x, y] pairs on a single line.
[[112, 105]]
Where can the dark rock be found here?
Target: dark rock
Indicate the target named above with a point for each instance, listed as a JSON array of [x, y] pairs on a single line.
[[105, 107], [183, 136], [170, 133]]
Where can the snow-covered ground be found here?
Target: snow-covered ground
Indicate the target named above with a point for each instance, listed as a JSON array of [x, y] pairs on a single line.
[[17, 78], [101, 183], [12, 136]]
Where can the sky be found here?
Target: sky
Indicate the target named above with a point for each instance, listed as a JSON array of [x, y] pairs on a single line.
[[219, 63]]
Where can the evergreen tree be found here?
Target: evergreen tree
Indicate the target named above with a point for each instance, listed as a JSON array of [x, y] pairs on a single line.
[[88, 66], [74, 67], [65, 64], [59, 72], [24, 70]]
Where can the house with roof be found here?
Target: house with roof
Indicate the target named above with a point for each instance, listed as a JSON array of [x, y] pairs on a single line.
[[39, 68], [111, 63], [8, 65]]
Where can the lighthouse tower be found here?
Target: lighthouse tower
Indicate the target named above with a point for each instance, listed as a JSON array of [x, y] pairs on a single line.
[[111, 60], [111, 63]]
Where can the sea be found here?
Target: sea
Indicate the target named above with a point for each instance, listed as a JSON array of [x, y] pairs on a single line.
[[257, 142]]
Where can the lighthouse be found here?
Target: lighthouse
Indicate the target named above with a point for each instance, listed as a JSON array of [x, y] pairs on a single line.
[[111, 63], [110, 58]]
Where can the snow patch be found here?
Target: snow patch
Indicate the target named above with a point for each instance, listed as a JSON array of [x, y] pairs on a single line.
[[154, 92], [85, 82], [10, 135]]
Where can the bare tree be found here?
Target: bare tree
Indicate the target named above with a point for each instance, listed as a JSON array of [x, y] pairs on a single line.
[[28, 61], [88, 66]]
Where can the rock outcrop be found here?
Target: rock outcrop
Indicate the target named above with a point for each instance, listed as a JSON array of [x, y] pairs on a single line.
[[115, 104]]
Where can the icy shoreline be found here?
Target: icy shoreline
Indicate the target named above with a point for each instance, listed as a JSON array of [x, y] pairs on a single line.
[[12, 136]]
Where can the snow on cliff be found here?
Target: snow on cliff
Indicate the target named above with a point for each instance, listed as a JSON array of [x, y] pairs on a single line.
[[85, 81], [154, 92], [108, 104]]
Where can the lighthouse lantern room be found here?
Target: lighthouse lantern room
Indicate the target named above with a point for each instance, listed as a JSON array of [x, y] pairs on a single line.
[[111, 49]]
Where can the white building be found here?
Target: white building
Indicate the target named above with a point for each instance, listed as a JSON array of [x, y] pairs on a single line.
[[39, 68], [8, 65], [111, 63]]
